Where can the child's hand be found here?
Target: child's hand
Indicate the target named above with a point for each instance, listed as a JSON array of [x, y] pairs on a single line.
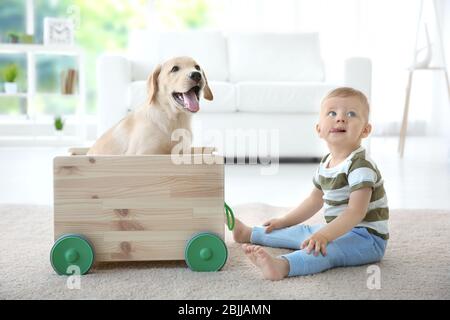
[[273, 224], [316, 242]]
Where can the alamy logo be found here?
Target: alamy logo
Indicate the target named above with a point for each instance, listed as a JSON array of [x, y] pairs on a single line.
[[374, 279], [74, 280], [256, 143]]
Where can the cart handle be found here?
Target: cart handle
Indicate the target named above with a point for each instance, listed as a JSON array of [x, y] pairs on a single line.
[[230, 217]]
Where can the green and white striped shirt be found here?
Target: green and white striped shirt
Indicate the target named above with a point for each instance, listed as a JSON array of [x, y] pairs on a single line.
[[355, 172]]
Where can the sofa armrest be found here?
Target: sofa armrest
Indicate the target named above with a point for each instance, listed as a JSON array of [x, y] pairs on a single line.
[[113, 80], [358, 74]]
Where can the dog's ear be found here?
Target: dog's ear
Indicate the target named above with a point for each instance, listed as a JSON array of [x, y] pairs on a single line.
[[207, 94], [152, 84]]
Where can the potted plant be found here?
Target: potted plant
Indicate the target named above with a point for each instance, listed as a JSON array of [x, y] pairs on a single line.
[[13, 37], [59, 123], [10, 74]]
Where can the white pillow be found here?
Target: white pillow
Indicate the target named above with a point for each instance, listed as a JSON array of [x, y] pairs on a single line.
[[275, 57]]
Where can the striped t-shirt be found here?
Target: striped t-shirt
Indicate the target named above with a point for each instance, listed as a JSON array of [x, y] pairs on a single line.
[[355, 172]]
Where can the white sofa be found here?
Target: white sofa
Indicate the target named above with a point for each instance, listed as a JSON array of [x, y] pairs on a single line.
[[267, 88]]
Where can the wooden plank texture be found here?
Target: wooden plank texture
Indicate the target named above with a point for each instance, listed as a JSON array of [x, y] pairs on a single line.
[[138, 207]]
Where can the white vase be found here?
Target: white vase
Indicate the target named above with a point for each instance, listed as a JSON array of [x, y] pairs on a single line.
[[11, 87], [59, 134]]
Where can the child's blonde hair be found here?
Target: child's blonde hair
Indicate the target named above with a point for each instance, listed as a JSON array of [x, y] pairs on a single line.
[[348, 92]]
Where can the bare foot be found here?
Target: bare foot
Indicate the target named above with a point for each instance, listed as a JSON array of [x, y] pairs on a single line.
[[241, 232], [271, 267]]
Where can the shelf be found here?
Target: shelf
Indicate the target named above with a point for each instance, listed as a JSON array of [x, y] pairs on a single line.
[[31, 51], [39, 48], [427, 69], [56, 94], [49, 94], [13, 95], [49, 141], [72, 119]]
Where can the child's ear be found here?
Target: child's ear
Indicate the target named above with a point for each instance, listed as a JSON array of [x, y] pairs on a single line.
[[318, 129], [367, 130]]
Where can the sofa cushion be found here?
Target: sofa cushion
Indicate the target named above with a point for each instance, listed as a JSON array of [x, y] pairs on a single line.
[[224, 97], [292, 57], [208, 48], [275, 57], [281, 96], [247, 134], [137, 94]]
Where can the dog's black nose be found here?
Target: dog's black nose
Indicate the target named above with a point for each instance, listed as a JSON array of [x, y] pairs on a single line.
[[196, 76]]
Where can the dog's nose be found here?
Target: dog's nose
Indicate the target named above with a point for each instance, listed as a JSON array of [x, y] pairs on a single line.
[[196, 76]]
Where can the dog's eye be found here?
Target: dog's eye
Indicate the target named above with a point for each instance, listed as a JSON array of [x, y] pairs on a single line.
[[175, 69], [197, 67]]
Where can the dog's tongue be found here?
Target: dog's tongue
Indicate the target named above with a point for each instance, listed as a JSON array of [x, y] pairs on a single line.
[[191, 101]]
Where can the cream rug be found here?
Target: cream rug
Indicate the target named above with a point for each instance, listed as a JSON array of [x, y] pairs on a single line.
[[416, 266]]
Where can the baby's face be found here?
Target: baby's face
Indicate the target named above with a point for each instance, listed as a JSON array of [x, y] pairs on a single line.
[[343, 121]]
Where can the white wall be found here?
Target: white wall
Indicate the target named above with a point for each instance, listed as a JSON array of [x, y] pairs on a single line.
[[384, 30]]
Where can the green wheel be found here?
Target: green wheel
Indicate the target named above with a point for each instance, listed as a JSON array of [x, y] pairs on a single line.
[[205, 252], [72, 253]]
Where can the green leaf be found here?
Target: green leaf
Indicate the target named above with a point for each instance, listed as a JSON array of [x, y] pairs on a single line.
[[59, 123], [11, 72]]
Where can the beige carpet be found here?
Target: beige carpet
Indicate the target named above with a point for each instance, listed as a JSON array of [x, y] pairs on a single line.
[[416, 266]]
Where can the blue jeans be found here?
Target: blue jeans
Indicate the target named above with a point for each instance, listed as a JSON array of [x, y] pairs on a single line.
[[354, 248]]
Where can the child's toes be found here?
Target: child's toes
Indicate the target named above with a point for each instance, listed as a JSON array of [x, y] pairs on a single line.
[[247, 248], [259, 250], [261, 253]]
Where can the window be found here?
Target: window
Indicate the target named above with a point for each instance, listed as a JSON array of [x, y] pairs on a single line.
[[14, 105], [97, 30], [188, 14], [12, 18], [50, 101], [12, 22], [101, 26]]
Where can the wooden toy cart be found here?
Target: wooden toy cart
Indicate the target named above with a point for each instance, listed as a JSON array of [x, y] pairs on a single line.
[[134, 208]]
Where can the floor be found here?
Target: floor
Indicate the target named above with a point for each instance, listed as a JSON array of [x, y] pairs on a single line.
[[412, 268], [420, 180]]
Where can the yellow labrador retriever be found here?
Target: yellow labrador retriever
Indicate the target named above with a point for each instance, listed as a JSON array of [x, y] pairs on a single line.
[[174, 91]]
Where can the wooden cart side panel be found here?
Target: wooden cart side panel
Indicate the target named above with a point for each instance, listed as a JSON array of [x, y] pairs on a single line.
[[137, 187], [137, 207], [80, 151], [79, 167], [141, 249]]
